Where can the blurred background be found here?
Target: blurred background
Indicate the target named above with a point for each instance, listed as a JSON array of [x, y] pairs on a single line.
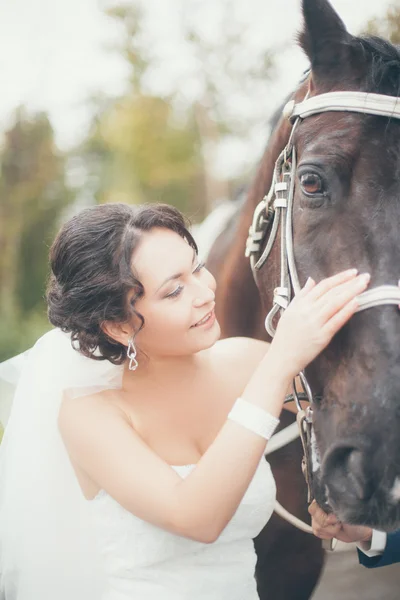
[[142, 101]]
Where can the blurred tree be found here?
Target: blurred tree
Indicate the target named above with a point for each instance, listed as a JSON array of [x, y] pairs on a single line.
[[33, 195], [139, 148], [233, 74], [149, 146], [140, 151], [387, 26]]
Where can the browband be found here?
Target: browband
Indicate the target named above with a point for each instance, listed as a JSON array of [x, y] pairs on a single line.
[[358, 102]]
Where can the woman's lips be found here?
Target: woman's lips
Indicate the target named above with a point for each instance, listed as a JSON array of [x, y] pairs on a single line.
[[206, 321]]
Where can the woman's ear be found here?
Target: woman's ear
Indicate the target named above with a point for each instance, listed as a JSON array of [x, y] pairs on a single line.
[[119, 332]]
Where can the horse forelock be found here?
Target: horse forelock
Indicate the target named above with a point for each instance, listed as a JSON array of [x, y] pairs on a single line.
[[382, 59]]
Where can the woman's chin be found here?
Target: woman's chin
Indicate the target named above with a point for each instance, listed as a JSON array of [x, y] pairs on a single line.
[[210, 337]]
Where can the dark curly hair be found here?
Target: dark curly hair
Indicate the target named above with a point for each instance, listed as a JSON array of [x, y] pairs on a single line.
[[91, 272]]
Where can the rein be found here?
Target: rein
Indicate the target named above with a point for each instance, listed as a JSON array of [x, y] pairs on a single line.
[[274, 212]]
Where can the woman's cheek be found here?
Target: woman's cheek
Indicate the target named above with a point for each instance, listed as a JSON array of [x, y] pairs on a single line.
[[210, 280], [183, 315], [173, 316]]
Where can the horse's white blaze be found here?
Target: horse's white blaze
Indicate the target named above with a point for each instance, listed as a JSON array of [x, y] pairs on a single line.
[[395, 491], [315, 456]]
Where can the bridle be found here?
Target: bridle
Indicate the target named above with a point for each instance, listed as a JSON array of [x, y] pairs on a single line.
[[275, 211]]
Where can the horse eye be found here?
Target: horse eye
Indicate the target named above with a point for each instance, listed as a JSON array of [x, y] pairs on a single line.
[[311, 183]]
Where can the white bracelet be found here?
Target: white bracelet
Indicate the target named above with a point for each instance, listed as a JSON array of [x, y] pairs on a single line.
[[254, 418]]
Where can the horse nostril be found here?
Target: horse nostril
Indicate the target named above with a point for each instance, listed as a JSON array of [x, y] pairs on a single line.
[[345, 474]]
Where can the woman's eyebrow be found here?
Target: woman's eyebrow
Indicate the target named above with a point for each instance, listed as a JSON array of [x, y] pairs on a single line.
[[176, 275]]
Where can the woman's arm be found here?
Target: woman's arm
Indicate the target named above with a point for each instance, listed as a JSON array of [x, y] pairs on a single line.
[[103, 444], [101, 441]]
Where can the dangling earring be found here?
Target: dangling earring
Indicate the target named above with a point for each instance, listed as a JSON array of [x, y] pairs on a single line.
[[131, 353]]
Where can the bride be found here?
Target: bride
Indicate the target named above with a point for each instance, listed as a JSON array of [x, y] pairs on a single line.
[[132, 466]]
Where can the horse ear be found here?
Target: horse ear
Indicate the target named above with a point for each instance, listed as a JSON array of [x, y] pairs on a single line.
[[324, 35]]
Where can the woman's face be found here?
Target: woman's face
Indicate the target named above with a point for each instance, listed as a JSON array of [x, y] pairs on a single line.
[[178, 302]]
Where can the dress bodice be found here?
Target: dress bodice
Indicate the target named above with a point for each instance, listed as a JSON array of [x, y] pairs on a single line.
[[144, 562]]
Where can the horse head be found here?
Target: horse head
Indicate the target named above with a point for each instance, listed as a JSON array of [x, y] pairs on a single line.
[[346, 212]]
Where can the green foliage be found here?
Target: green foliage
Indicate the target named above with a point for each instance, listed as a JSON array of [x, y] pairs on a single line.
[[20, 331], [145, 147], [131, 46], [140, 152], [388, 26], [33, 195], [231, 71]]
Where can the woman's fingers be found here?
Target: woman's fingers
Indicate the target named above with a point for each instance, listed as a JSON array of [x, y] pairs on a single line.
[[340, 318], [309, 285], [315, 315], [331, 282], [337, 298]]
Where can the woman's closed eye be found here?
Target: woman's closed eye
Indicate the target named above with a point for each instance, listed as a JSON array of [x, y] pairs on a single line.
[[177, 291], [199, 267]]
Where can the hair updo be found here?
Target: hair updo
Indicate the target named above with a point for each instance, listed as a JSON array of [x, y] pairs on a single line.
[[91, 272]]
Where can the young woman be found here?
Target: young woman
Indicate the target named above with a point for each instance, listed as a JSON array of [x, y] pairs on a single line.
[[163, 427]]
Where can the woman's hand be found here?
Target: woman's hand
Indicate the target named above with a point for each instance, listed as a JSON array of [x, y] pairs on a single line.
[[327, 527], [313, 317]]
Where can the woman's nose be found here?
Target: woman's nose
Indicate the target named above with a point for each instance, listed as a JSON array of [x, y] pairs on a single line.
[[204, 295]]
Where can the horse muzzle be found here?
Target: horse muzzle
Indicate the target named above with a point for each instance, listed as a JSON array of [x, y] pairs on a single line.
[[357, 490]]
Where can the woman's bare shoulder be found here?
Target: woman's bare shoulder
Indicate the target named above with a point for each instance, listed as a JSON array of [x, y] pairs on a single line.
[[75, 407], [235, 347], [239, 355]]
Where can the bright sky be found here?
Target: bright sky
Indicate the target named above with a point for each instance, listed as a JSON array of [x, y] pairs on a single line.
[[54, 54]]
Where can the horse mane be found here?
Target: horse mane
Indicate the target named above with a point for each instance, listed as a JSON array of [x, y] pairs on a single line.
[[384, 63]]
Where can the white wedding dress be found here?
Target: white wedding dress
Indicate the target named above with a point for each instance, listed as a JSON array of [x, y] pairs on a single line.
[[144, 562], [55, 545]]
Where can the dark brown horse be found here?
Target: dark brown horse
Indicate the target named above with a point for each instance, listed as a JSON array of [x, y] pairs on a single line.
[[346, 214]]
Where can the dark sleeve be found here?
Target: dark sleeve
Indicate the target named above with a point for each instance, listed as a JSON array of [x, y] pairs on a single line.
[[390, 555]]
